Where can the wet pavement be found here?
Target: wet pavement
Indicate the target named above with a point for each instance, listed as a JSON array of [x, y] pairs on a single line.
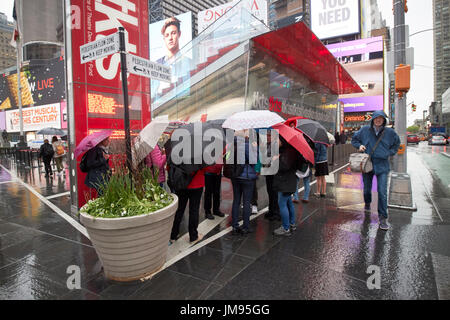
[[332, 254]]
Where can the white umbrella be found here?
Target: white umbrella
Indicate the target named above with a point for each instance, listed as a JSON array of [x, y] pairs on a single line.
[[331, 138], [252, 119], [147, 139]]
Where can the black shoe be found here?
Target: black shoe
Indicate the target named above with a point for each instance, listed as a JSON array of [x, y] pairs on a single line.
[[237, 231], [246, 231], [219, 214], [209, 216], [322, 195]]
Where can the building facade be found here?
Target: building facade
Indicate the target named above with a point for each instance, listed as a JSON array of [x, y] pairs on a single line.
[[40, 40], [441, 26], [7, 51]]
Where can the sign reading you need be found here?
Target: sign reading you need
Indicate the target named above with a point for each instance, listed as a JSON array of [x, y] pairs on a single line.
[[147, 68], [100, 48]]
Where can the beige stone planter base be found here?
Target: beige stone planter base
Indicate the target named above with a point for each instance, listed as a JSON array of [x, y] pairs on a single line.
[[132, 248]]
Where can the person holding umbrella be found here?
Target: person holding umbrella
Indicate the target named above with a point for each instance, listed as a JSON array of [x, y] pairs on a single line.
[[46, 153], [321, 160], [285, 182], [96, 159], [58, 147]]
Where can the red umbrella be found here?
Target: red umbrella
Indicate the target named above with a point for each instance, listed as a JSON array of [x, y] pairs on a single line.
[[91, 141], [293, 120], [295, 138]]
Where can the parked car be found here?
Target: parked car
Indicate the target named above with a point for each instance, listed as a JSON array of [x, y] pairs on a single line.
[[437, 140], [412, 138]]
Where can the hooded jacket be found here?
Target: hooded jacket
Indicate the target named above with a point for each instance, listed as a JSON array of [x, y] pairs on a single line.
[[387, 147]]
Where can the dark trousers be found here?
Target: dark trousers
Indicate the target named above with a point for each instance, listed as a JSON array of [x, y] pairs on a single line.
[[273, 197], [47, 165], [194, 197], [255, 194], [212, 192], [241, 188]]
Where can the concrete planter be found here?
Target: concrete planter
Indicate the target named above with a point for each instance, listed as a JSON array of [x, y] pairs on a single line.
[[131, 248]]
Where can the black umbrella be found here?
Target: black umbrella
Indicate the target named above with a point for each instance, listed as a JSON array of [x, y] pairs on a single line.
[[314, 130], [193, 139], [52, 132]]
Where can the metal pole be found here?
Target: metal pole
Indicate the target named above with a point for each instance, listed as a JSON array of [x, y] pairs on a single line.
[[19, 87], [123, 62], [400, 163]]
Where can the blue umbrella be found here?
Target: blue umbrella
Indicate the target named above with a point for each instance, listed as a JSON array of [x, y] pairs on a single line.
[[52, 132]]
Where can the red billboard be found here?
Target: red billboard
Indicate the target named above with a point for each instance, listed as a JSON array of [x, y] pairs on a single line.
[[97, 100]]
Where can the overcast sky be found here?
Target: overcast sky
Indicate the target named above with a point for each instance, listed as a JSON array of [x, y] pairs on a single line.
[[419, 17]]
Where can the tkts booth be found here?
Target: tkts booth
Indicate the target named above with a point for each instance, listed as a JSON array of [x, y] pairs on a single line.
[[94, 89], [235, 64]]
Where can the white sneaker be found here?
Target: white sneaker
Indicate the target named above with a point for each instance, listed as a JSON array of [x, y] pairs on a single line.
[[254, 209]]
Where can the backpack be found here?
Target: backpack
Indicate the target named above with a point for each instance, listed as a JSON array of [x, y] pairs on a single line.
[[83, 164], [232, 170], [178, 178], [59, 150], [47, 151]]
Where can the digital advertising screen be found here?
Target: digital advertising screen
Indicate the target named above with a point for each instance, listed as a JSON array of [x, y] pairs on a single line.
[[363, 60], [167, 37]]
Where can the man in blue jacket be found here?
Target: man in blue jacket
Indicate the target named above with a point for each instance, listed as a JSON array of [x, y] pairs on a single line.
[[365, 140]]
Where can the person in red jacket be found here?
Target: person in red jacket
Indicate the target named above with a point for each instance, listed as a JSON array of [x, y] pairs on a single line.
[[213, 179], [193, 194]]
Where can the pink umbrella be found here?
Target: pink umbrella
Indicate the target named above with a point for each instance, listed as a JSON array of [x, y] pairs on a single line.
[[91, 141]]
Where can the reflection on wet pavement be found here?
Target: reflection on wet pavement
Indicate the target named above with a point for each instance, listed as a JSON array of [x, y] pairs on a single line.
[[327, 257]]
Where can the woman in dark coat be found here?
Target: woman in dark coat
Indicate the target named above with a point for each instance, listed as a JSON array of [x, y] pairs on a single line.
[[97, 160], [285, 182]]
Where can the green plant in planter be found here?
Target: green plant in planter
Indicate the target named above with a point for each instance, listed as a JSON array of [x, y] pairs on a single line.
[[125, 196]]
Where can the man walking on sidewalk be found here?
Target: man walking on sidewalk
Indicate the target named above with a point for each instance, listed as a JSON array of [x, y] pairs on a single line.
[[366, 141]]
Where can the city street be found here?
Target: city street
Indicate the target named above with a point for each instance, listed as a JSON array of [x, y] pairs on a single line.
[[331, 255]]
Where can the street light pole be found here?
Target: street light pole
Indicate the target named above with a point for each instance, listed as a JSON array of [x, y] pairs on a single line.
[[400, 163], [22, 142]]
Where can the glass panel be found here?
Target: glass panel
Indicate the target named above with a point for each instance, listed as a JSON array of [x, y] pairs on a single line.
[[279, 88], [209, 73]]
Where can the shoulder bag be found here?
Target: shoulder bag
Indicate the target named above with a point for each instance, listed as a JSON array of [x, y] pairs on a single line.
[[361, 162]]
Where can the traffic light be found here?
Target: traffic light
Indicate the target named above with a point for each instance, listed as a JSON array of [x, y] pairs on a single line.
[[414, 107], [406, 7]]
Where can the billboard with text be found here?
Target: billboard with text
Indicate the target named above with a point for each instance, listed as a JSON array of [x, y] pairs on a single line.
[[96, 99], [334, 18]]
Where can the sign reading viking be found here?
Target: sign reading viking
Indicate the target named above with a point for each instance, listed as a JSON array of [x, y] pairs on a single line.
[[334, 18]]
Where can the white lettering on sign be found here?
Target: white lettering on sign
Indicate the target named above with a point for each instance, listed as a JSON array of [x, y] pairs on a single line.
[[147, 68], [258, 8], [34, 118], [332, 18], [113, 21]]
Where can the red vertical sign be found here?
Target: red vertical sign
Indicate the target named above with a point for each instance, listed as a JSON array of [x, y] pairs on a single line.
[[97, 86]]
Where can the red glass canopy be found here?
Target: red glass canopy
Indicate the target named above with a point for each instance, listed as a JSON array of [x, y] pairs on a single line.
[[297, 47]]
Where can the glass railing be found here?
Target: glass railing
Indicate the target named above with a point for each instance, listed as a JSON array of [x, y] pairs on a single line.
[[205, 54]]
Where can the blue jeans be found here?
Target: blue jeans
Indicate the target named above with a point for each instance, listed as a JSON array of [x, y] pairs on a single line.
[[241, 188], [287, 210], [306, 181], [382, 191]]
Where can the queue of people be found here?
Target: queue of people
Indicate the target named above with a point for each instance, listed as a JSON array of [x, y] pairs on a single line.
[[281, 185]]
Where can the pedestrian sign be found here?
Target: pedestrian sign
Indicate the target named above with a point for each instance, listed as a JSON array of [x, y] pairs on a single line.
[[147, 68], [99, 48]]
